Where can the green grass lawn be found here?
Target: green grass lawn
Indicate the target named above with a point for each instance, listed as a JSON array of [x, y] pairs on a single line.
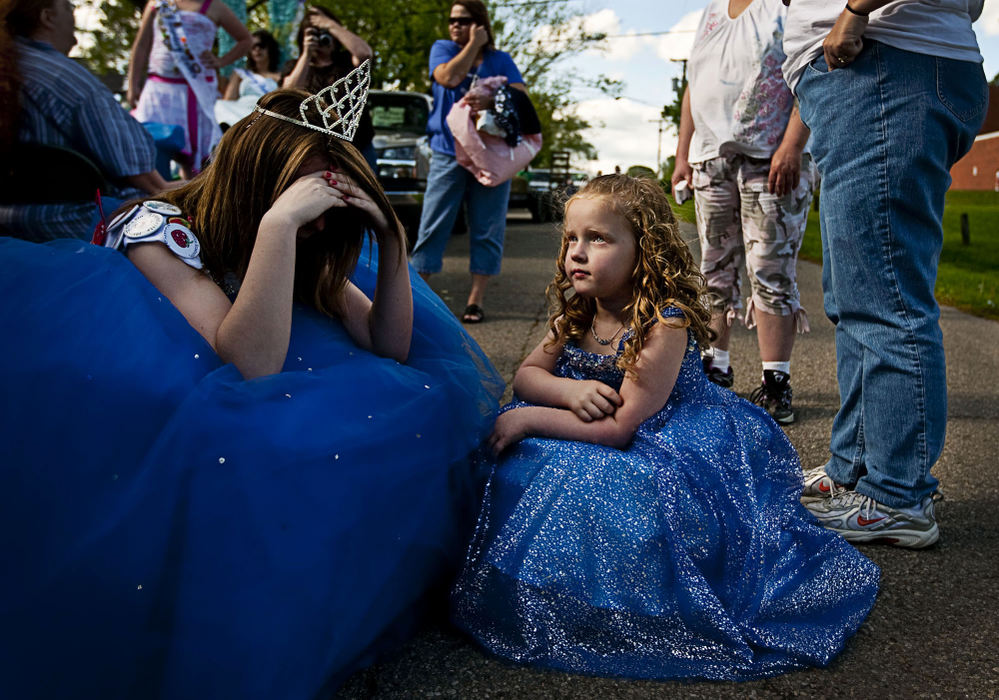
[[968, 277], [969, 274], [685, 211]]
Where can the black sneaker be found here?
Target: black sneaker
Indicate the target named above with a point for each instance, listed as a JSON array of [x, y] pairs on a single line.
[[774, 394], [716, 376]]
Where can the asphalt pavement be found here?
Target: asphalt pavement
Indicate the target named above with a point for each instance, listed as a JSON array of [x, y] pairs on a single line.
[[934, 631]]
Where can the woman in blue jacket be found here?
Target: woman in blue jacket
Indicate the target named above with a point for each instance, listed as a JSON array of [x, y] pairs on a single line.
[[454, 63]]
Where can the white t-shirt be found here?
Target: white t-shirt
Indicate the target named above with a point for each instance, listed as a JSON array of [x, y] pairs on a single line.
[[738, 97], [935, 27]]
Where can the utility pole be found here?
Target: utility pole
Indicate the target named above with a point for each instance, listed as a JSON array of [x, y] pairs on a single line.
[[672, 112], [679, 85], [659, 145]]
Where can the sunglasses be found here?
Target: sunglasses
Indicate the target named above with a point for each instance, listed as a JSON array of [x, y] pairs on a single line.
[[460, 21]]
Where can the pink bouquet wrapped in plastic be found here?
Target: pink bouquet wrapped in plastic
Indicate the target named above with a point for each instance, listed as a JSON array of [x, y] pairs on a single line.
[[477, 147]]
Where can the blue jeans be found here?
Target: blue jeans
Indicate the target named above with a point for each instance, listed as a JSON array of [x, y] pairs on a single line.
[[885, 132], [448, 184]]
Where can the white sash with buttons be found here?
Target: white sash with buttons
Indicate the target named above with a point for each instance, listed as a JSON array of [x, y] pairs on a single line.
[[156, 222]]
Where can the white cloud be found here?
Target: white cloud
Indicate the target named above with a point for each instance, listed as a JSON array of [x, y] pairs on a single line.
[[680, 40], [623, 48], [547, 35], [989, 21], [624, 132], [605, 21], [620, 46]]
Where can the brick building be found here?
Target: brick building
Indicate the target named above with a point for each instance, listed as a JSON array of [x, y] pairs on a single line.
[[979, 169]]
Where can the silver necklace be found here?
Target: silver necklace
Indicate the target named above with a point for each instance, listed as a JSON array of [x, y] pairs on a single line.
[[608, 341]]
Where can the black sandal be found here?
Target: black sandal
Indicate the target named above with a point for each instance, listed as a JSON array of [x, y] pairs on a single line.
[[473, 314]]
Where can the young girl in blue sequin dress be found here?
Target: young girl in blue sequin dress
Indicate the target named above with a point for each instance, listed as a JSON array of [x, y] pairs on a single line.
[[639, 520]]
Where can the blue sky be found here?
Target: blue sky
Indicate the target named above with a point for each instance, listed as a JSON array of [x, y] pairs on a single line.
[[641, 58]]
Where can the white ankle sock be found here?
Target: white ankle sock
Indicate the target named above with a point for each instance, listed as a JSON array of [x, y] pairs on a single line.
[[719, 359], [784, 367]]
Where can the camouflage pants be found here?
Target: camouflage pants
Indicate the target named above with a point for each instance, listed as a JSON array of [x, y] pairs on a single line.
[[739, 220]]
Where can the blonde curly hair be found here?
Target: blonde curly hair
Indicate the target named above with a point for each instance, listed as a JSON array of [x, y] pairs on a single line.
[[664, 274]]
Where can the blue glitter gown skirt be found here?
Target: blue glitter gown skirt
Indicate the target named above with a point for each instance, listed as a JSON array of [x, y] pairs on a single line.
[[686, 555], [170, 530]]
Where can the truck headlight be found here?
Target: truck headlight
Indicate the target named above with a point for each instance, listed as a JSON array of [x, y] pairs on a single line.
[[398, 153], [394, 169]]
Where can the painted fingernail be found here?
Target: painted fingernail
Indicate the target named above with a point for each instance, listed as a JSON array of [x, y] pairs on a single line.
[[332, 182], [327, 174]]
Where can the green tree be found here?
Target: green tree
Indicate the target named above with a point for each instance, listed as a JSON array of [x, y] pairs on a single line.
[[671, 112], [561, 126], [401, 39], [400, 35], [666, 167], [544, 58], [106, 38], [642, 171]]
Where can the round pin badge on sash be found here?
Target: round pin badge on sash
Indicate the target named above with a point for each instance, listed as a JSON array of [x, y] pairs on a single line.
[[164, 208], [121, 218], [114, 237], [143, 224], [116, 229], [181, 241]]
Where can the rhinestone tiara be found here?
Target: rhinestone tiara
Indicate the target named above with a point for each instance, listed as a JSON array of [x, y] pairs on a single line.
[[340, 105]]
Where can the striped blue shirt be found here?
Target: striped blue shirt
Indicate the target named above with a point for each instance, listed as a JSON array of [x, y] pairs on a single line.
[[62, 104]]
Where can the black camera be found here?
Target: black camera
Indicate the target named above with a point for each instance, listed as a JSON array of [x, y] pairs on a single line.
[[325, 39]]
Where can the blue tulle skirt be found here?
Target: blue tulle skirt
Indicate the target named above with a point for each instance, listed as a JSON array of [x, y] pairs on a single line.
[[171, 530], [685, 555]]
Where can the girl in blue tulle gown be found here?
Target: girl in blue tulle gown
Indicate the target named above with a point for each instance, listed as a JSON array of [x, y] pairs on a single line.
[[639, 520], [235, 438]]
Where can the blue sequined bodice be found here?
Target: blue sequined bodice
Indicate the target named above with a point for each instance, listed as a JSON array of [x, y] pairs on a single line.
[[576, 363]]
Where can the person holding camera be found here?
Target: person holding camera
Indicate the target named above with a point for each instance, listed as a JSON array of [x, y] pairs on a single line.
[[327, 51]]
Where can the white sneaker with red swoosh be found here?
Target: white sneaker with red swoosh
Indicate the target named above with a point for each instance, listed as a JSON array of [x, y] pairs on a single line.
[[860, 518], [819, 485]]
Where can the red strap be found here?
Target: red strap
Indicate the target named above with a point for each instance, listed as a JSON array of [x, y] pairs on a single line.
[[205, 6], [101, 229]]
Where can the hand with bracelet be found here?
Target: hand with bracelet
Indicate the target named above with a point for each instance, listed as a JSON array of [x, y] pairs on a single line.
[[845, 40]]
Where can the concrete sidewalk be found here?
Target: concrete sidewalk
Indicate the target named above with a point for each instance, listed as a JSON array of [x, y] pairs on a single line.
[[934, 629]]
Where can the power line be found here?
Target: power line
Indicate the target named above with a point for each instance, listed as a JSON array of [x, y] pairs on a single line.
[[662, 33], [521, 3], [530, 2]]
